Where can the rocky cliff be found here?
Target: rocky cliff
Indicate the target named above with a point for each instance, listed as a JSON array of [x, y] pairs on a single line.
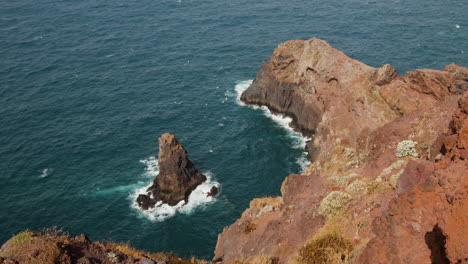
[[388, 179], [177, 176], [52, 246], [388, 182]]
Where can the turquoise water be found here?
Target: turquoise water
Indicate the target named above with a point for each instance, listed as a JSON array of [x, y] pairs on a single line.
[[87, 87]]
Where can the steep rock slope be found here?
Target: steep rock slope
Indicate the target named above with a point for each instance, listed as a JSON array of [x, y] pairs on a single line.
[[382, 148]]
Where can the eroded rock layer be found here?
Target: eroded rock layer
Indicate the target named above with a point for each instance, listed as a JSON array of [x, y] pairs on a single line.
[[388, 181], [177, 176]]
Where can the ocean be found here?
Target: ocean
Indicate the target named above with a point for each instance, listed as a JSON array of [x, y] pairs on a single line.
[[87, 87]]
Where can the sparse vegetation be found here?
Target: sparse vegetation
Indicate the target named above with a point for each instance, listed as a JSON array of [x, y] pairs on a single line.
[[394, 178], [397, 164], [334, 201], [248, 226], [259, 259], [122, 247], [22, 237], [328, 248], [405, 148], [47, 247], [113, 257], [262, 202], [342, 180], [373, 187], [356, 187]]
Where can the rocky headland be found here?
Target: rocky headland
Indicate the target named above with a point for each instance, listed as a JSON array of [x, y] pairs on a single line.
[[177, 176], [388, 180]]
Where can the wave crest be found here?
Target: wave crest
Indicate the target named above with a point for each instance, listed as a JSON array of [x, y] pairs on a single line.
[[162, 212]]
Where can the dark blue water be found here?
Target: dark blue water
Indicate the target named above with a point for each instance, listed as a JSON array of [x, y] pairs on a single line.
[[87, 87]]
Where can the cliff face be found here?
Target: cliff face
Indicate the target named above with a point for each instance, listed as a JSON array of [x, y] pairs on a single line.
[[389, 171], [177, 176], [388, 182]]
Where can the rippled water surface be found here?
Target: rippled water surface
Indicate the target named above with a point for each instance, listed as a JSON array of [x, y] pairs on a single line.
[[87, 87]]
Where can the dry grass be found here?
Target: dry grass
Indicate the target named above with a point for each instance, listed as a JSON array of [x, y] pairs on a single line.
[[29, 247], [328, 248], [333, 202], [262, 202], [122, 247], [248, 226], [259, 259], [47, 247], [373, 187], [126, 249]]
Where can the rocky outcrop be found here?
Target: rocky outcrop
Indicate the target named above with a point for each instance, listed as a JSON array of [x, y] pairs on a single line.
[[53, 246], [177, 176], [389, 168], [423, 223], [325, 92], [388, 182], [213, 192]]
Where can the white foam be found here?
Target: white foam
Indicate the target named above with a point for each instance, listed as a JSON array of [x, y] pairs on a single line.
[[118, 189], [161, 212], [45, 172], [240, 88], [299, 141], [151, 166]]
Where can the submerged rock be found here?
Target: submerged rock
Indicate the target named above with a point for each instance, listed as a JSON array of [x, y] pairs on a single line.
[[177, 176]]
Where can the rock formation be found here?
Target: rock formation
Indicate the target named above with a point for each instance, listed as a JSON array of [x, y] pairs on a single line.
[[177, 176], [213, 192], [49, 247], [388, 179], [388, 182]]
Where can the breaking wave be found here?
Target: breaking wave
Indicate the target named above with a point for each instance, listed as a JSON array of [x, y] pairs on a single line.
[[299, 141], [161, 212]]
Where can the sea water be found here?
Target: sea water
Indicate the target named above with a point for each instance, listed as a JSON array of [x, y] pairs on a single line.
[[87, 87]]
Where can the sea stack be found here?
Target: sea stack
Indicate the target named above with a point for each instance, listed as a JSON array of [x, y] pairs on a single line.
[[177, 176]]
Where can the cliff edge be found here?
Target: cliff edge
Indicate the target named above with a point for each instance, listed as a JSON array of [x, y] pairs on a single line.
[[388, 179], [388, 182]]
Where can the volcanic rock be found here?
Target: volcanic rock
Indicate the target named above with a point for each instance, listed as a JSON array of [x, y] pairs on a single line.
[[213, 191], [177, 176], [409, 209]]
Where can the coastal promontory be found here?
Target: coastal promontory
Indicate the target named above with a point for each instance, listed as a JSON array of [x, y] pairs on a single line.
[[387, 183], [388, 180]]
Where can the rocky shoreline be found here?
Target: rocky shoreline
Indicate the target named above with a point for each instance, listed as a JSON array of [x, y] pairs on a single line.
[[388, 182], [380, 142]]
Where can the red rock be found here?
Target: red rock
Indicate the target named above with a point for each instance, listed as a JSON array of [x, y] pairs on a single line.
[[358, 115]]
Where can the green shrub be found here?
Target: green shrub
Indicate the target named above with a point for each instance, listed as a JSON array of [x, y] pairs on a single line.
[[22, 238]]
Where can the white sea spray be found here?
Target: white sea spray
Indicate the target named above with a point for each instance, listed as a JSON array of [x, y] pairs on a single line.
[[299, 141], [197, 199]]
